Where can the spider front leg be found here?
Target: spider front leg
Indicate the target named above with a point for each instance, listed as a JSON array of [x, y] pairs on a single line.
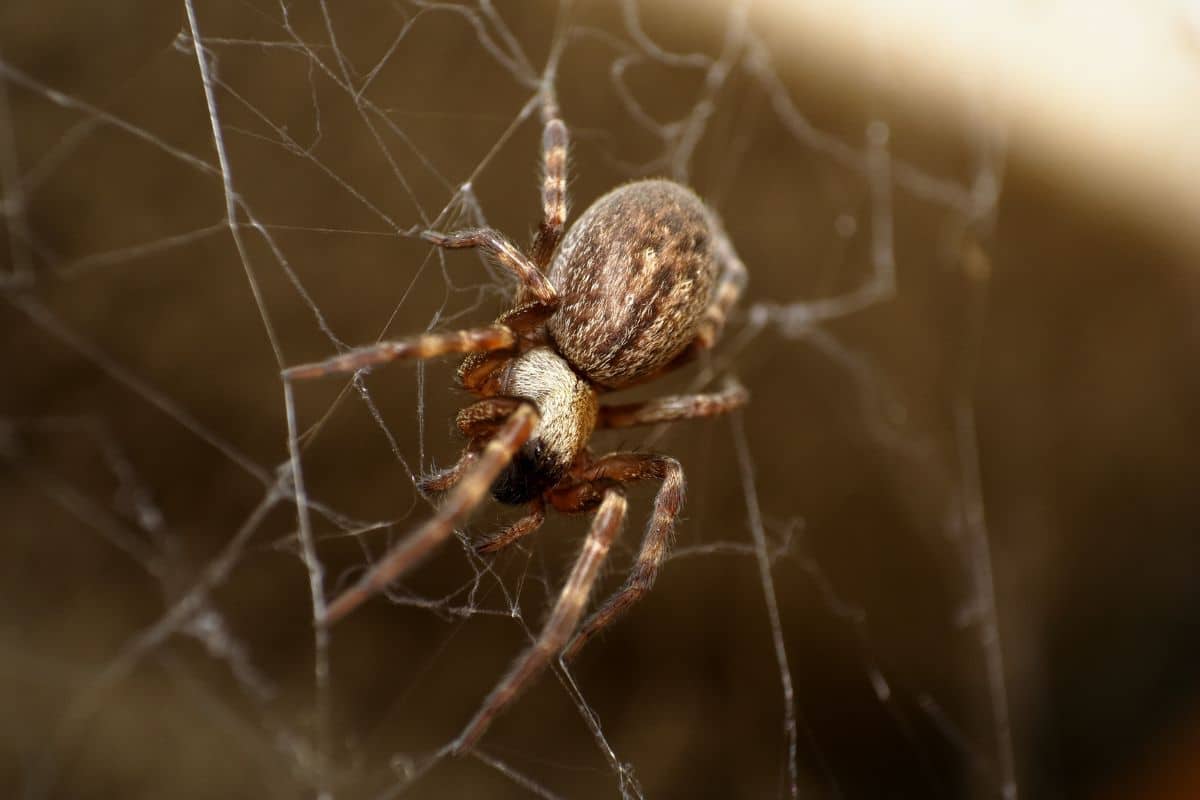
[[563, 619], [478, 422], [463, 499], [473, 340], [656, 542], [554, 192], [534, 285]]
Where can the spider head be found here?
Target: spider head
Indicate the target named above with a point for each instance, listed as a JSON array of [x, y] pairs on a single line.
[[567, 406]]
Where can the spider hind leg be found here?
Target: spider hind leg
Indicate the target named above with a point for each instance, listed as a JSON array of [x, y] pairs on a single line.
[[656, 542], [567, 610]]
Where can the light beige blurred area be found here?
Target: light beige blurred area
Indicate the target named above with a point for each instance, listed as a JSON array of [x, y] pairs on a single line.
[[1104, 96]]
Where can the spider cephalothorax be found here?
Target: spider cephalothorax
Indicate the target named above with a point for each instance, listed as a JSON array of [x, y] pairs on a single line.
[[567, 407], [641, 282]]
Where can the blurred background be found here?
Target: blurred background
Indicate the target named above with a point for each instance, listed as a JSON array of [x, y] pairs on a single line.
[[973, 475]]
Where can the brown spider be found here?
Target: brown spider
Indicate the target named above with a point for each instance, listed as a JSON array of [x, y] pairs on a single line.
[[641, 283]]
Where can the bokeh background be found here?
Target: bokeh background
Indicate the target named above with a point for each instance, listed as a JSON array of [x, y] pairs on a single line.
[[1028, 384]]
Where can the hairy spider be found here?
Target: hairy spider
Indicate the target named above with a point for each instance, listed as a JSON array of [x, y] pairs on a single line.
[[640, 284]]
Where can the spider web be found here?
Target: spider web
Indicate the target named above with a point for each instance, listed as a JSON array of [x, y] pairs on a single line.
[[242, 189]]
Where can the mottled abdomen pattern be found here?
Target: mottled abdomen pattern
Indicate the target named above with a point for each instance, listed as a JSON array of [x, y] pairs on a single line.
[[635, 274]]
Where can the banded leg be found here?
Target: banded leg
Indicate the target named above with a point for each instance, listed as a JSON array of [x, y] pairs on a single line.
[[563, 619], [534, 285], [518, 530], [656, 542], [729, 289], [670, 409], [479, 372], [555, 141], [430, 345], [446, 479], [463, 499]]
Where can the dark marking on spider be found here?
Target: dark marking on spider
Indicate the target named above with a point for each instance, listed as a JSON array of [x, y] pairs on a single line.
[[532, 471], [641, 283]]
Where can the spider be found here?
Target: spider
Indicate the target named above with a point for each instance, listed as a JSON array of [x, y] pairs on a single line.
[[639, 285]]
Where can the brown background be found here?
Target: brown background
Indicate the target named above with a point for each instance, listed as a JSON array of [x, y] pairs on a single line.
[[1083, 384]]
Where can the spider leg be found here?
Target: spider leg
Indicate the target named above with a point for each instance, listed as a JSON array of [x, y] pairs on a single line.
[[555, 141], [430, 345], [729, 289], [670, 409], [527, 316], [534, 285], [518, 530], [478, 421], [448, 478], [563, 619], [463, 499], [656, 542]]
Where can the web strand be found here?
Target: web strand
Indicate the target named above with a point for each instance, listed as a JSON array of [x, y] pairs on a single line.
[[317, 110]]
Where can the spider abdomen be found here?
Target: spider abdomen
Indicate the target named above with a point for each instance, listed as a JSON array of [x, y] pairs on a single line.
[[635, 275]]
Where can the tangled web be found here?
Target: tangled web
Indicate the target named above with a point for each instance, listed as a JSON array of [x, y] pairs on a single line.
[[215, 191]]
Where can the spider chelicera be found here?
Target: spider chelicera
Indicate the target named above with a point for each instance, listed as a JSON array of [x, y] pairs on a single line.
[[640, 284]]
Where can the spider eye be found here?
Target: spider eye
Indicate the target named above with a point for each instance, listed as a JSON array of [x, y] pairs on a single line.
[[531, 472]]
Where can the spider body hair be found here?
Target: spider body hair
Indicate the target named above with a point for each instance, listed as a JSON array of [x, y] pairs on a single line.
[[635, 275], [567, 407]]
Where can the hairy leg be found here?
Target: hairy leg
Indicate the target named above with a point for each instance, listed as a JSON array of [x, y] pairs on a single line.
[[463, 499], [446, 479], [656, 542], [430, 345], [563, 619], [518, 530], [534, 285], [729, 289], [478, 422], [670, 409], [483, 417], [555, 141]]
